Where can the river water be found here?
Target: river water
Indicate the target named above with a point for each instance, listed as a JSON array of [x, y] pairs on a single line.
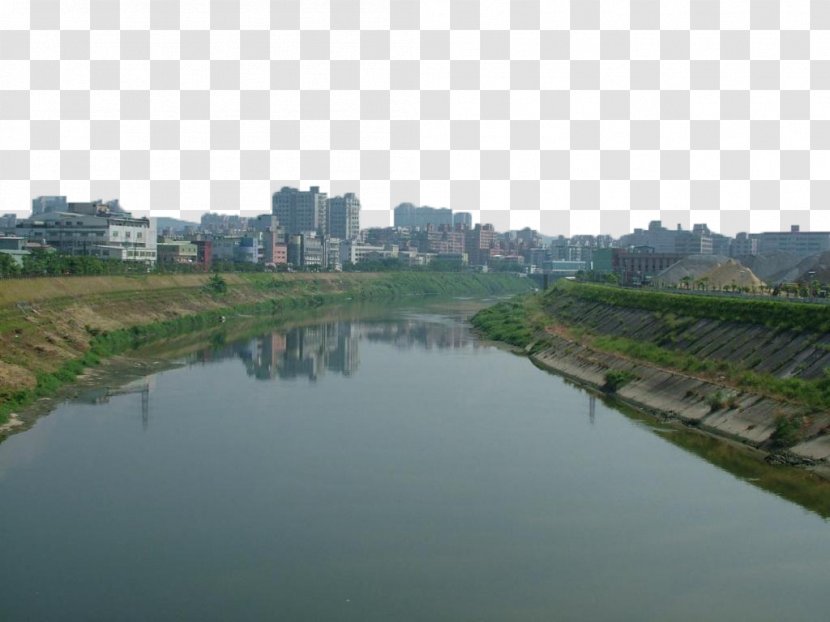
[[387, 468]]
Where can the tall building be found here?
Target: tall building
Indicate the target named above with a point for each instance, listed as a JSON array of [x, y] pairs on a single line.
[[463, 220], [344, 216], [46, 204], [409, 215], [479, 241], [300, 211]]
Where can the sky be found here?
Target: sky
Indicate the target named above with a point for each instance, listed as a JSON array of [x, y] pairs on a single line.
[[571, 117]]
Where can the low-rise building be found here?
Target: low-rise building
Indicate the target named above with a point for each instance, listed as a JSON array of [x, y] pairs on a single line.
[[94, 229], [357, 252], [177, 252], [14, 247], [8, 222], [794, 241]]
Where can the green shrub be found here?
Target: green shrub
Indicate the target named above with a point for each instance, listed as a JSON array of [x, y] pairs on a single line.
[[788, 431], [716, 401], [616, 379]]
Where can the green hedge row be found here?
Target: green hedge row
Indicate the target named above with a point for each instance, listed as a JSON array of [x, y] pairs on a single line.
[[772, 314]]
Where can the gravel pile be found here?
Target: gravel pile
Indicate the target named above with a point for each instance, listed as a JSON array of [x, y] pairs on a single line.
[[718, 271]]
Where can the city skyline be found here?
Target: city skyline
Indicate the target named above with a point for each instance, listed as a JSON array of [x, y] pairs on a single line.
[[254, 214]]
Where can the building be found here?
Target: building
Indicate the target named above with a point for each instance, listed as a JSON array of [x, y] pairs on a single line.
[[331, 252], [690, 243], [356, 252], [249, 249], [223, 248], [633, 267], [8, 222], [479, 242], [409, 215], [313, 251], [14, 247], [564, 268], [204, 253], [265, 222], [274, 249], [301, 211], [443, 240], [794, 241], [344, 216], [743, 244], [462, 220], [307, 250], [94, 229], [223, 224], [176, 252], [47, 204]]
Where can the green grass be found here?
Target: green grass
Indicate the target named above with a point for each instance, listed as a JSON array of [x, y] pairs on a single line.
[[616, 379], [518, 321], [779, 315]]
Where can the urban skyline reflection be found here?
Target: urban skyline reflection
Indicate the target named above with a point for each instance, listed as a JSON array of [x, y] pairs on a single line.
[[312, 351]]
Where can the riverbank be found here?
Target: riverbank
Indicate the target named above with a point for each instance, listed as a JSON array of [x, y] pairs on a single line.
[[737, 375], [53, 329]]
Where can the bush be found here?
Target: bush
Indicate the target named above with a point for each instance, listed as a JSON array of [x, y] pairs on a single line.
[[716, 401], [216, 284], [788, 431], [616, 379]]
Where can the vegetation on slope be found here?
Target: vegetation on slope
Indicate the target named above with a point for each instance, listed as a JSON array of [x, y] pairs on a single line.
[[770, 313], [522, 321], [517, 322]]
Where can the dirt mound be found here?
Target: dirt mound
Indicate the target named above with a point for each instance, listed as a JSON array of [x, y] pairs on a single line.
[[774, 266], [815, 267], [714, 271]]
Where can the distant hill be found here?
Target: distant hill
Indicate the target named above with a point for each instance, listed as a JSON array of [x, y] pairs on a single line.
[[175, 224]]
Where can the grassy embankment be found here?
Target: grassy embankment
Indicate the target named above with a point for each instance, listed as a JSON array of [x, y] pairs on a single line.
[[521, 322], [52, 329], [517, 322]]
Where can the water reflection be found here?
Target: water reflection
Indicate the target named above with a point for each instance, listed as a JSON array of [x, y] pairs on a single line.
[[102, 395], [311, 351]]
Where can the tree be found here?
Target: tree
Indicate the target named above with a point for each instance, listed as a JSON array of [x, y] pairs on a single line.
[[8, 266], [216, 284]]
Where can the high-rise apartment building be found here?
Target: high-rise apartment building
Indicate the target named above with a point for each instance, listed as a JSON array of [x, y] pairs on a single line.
[[479, 241], [463, 220], [300, 211], [344, 216], [409, 215]]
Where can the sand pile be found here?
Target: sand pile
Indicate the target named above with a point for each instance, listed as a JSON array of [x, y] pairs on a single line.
[[715, 270]]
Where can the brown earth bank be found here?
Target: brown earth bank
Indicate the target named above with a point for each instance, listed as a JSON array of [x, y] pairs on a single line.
[[46, 323]]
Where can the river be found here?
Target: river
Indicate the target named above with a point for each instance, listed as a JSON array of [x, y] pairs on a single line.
[[387, 467]]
